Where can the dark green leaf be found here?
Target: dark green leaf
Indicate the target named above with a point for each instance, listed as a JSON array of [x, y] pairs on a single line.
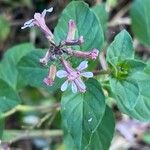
[[1, 126], [125, 87], [8, 70], [87, 25], [121, 48], [8, 98], [141, 20], [103, 135], [34, 73], [101, 13], [82, 113], [141, 109]]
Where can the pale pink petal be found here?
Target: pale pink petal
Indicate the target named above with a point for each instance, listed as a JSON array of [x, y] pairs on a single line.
[[48, 81], [83, 65], [71, 30], [64, 85], [61, 74], [87, 74], [74, 87], [94, 53], [80, 85]]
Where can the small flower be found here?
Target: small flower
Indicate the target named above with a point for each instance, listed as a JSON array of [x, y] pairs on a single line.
[[71, 30], [48, 56], [39, 21], [49, 80], [94, 53], [70, 40], [74, 76], [90, 54]]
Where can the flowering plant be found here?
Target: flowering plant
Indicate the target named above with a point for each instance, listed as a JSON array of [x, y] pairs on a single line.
[[79, 76]]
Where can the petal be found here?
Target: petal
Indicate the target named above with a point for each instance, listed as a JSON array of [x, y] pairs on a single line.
[[71, 30], [61, 74], [28, 23], [46, 10], [80, 84], [83, 65], [74, 87], [64, 85], [48, 81], [87, 74]]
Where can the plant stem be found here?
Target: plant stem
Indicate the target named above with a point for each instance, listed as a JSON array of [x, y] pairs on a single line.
[[27, 134], [102, 72], [26, 108]]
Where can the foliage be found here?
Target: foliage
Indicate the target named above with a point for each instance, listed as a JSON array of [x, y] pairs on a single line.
[[87, 121]]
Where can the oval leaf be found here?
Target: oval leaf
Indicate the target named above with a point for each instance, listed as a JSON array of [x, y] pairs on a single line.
[[87, 25], [141, 20], [103, 135], [8, 97], [34, 73], [82, 113], [121, 48]]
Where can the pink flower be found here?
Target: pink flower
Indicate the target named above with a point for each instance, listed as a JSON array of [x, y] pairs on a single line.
[[74, 76], [93, 54], [49, 80], [39, 21], [70, 40], [48, 56], [90, 54]]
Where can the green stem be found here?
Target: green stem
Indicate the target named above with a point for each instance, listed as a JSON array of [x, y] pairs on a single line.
[[102, 72], [26, 108], [26, 134]]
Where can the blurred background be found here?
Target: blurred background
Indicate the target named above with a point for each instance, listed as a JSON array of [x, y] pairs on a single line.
[[130, 134]]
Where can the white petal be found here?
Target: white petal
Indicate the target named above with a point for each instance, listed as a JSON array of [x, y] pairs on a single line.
[[46, 10], [87, 74], [64, 85], [80, 84], [61, 74], [28, 23], [74, 87], [83, 65]]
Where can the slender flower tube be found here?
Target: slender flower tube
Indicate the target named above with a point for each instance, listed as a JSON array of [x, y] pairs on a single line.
[[74, 76], [48, 56], [70, 40], [49, 80], [91, 54], [39, 21]]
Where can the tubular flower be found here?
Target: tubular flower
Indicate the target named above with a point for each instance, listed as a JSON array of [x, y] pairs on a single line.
[[39, 21], [74, 76], [70, 40], [60, 51], [49, 80]]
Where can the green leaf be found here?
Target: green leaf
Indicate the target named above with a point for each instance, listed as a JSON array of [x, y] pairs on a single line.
[[126, 91], [87, 25], [103, 135], [124, 86], [141, 20], [8, 97], [34, 73], [120, 49], [8, 70], [1, 125], [82, 113], [102, 15], [4, 28], [141, 109]]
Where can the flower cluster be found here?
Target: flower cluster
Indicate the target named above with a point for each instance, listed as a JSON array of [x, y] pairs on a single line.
[[73, 76]]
